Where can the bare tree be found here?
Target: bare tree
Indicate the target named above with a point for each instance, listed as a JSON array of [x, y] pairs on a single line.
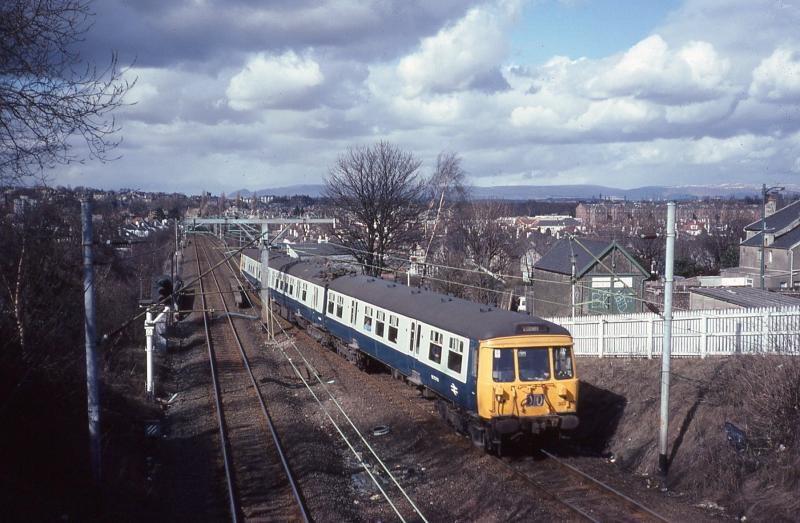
[[376, 191], [48, 92], [477, 241], [447, 189]]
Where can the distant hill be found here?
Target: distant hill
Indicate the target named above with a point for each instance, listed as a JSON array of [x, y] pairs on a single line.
[[568, 192]]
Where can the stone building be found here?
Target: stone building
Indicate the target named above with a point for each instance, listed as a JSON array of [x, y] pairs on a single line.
[[608, 280], [781, 249]]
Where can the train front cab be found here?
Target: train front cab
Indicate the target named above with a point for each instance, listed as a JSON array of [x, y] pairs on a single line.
[[526, 385]]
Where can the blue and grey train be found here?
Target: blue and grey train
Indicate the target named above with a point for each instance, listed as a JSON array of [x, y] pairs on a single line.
[[497, 373]]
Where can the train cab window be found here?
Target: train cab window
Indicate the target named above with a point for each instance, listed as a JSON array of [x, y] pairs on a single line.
[[534, 364], [435, 347], [503, 365], [380, 322], [455, 355], [562, 363], [368, 319], [394, 323]]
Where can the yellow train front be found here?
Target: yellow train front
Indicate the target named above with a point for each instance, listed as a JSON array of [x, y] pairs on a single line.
[[526, 384]]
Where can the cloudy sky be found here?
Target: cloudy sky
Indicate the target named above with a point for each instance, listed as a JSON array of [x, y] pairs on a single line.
[[235, 94]]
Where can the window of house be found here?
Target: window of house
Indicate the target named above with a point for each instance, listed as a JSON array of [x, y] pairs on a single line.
[[562, 363], [435, 347], [368, 319], [380, 322], [394, 323], [339, 306], [534, 364], [455, 355], [503, 365]]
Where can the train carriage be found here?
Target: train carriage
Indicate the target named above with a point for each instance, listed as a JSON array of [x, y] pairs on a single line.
[[497, 373]]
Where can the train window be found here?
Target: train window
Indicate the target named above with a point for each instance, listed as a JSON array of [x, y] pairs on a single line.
[[454, 360], [330, 303], [394, 323], [534, 364], [368, 319], [380, 319], [291, 285], [353, 311], [435, 347], [303, 293], [503, 365], [562, 363], [339, 306]]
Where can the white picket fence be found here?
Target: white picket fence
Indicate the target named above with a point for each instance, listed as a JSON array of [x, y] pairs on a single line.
[[769, 330]]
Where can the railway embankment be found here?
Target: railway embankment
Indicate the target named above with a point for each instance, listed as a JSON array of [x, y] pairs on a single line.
[[733, 431]]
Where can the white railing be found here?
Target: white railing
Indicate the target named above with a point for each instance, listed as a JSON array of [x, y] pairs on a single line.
[[768, 330]]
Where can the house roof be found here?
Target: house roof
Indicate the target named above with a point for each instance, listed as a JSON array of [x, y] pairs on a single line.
[[780, 219], [784, 241], [747, 296], [461, 317], [559, 258]]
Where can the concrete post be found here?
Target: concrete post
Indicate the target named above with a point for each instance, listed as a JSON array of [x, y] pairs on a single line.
[[266, 304], [92, 385], [667, 341]]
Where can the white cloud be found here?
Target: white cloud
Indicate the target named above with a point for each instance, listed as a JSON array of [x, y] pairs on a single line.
[[777, 78], [269, 81], [651, 70], [457, 55], [534, 115]]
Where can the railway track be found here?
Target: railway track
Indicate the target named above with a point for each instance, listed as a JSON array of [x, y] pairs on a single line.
[[585, 496], [258, 479], [580, 494]]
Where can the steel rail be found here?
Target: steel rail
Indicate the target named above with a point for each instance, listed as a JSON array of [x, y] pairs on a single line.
[[255, 298], [599, 486], [273, 431], [232, 501], [605, 487]]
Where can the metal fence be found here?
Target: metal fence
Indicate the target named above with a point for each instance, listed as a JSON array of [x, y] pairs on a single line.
[[768, 330]]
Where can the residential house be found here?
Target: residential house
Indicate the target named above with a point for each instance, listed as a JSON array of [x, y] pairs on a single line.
[[781, 240]]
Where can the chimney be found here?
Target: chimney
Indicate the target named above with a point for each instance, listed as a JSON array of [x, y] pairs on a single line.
[[770, 207]]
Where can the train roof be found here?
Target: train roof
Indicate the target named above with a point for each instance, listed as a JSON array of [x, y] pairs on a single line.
[[316, 271], [451, 314]]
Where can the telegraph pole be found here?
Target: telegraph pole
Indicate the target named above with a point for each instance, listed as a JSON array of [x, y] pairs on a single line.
[[666, 350], [92, 386]]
